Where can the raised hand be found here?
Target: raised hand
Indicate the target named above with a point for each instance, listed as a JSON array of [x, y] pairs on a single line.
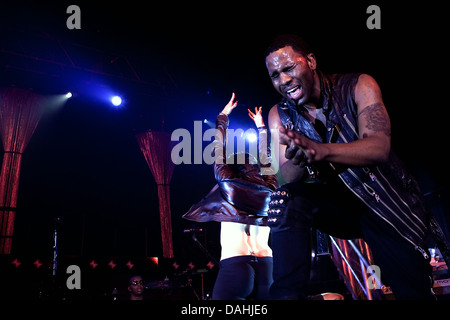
[[230, 105], [257, 116]]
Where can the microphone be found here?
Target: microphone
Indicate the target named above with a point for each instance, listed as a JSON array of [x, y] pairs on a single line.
[[191, 230]]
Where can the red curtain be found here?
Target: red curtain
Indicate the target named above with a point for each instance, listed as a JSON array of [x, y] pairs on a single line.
[[156, 147], [20, 112]]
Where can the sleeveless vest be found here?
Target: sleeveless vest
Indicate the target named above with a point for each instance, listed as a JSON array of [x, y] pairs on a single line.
[[387, 189]]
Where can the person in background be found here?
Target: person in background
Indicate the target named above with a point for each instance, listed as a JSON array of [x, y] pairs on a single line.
[[136, 288]]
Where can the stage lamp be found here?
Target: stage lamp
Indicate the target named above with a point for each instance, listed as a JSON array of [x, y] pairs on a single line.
[[209, 123], [116, 101], [251, 137], [68, 95]]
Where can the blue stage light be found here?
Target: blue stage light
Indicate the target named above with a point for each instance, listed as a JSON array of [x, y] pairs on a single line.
[[116, 101], [69, 95], [251, 137]]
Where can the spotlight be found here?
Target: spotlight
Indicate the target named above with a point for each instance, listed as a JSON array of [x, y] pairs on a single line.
[[68, 95], [251, 137], [209, 123], [116, 101]]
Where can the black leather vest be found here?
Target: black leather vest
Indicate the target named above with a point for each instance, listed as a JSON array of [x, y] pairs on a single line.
[[387, 189]]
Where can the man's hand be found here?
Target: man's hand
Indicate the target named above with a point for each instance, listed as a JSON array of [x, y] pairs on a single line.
[[302, 147], [295, 154]]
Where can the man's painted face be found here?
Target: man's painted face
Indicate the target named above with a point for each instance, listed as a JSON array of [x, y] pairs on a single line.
[[291, 74]]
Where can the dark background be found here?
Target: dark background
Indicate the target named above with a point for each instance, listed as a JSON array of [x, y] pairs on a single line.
[[83, 166]]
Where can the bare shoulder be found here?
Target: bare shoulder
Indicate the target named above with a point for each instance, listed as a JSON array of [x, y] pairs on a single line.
[[372, 114], [273, 111], [367, 89], [274, 118], [366, 80]]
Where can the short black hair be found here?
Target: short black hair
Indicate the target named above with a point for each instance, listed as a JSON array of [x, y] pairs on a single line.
[[283, 40]]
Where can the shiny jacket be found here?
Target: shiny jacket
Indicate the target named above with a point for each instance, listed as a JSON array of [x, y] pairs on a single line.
[[387, 189], [242, 193]]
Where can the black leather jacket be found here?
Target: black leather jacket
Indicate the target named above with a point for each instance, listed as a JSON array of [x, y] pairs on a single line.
[[239, 196]]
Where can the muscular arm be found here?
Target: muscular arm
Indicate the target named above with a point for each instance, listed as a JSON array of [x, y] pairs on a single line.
[[291, 169], [374, 128]]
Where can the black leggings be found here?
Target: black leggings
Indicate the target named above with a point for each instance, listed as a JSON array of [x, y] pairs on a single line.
[[243, 277], [333, 209]]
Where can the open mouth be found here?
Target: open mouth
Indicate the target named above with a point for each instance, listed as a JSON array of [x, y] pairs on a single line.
[[295, 93]]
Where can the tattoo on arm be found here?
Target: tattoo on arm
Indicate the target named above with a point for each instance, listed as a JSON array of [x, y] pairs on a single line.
[[376, 118]]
